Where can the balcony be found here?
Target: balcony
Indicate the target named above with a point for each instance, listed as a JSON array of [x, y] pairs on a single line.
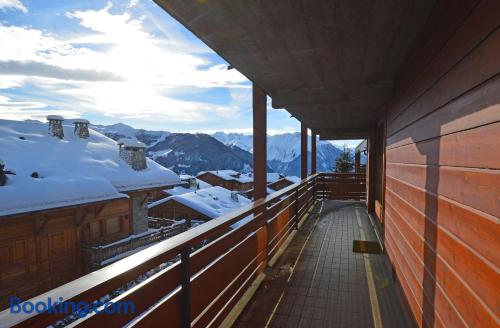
[[296, 244]]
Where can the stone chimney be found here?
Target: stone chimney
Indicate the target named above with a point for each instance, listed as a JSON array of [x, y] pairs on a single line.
[[234, 196], [81, 128], [55, 126], [133, 152]]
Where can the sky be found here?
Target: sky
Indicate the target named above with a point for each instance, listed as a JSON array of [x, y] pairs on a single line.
[[122, 61]]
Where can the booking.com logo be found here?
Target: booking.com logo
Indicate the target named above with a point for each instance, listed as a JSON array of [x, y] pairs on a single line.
[[80, 308]]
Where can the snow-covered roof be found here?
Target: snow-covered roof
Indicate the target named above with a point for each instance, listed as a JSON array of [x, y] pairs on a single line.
[[55, 118], [212, 202], [179, 190], [131, 142], [230, 175], [292, 178], [80, 120], [273, 177], [72, 170]]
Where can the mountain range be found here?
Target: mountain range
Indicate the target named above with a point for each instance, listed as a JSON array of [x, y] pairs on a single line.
[[191, 153]]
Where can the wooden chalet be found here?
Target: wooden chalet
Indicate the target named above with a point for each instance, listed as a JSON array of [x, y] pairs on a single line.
[[414, 241], [227, 179], [47, 222]]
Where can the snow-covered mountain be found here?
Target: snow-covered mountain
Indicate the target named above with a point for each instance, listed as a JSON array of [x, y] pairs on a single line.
[[283, 151], [190, 153]]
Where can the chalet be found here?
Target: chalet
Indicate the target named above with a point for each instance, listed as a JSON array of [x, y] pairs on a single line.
[[204, 204], [283, 183], [71, 188], [228, 179], [189, 183]]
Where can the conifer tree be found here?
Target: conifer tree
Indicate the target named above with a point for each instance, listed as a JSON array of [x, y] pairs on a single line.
[[344, 163]]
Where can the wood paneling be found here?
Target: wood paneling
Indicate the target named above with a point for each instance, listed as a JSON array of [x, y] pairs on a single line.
[[442, 203]]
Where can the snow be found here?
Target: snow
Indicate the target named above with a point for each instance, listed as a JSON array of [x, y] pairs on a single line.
[[212, 202], [131, 142], [55, 118], [230, 175], [160, 153], [80, 120], [72, 170], [293, 178], [273, 177]]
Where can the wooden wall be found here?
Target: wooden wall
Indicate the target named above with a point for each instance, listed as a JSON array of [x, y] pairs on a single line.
[[442, 195], [228, 184], [43, 250], [174, 210]]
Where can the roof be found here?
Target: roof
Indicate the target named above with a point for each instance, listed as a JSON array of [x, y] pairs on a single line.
[[273, 177], [73, 171], [230, 175], [331, 64], [211, 202], [179, 190], [362, 146]]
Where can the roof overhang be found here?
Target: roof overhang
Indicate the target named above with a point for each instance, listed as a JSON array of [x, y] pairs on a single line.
[[331, 64]]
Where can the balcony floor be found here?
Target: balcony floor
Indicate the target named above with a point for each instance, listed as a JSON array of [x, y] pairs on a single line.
[[320, 282]]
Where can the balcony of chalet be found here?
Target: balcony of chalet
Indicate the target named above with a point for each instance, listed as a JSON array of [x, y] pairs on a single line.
[[412, 241]]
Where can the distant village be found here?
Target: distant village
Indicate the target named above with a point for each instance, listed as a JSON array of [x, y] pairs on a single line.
[[74, 200]]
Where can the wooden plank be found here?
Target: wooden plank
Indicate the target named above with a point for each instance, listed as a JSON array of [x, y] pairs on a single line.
[[473, 270], [479, 66], [473, 228], [477, 107], [457, 149], [476, 27], [442, 280], [476, 188], [166, 311]]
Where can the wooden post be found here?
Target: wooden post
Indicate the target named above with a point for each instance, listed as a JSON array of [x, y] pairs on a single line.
[[259, 143], [357, 161], [186, 288], [303, 151], [313, 152], [370, 170]]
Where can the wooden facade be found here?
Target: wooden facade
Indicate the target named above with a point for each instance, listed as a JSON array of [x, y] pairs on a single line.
[[280, 184], [233, 185], [173, 210], [43, 250], [442, 166]]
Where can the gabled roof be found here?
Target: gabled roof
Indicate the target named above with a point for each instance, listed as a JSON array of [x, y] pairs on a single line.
[[230, 175], [72, 170], [212, 202]]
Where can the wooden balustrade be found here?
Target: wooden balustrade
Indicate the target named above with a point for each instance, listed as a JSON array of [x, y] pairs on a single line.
[[201, 288], [343, 186], [96, 255]]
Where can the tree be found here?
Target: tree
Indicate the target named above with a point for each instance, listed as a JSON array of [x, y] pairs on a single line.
[[344, 163]]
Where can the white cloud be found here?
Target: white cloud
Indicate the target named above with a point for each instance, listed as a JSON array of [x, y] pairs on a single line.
[[13, 4], [22, 110], [136, 74]]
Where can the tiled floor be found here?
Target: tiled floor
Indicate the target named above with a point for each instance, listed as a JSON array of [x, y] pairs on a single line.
[[320, 282]]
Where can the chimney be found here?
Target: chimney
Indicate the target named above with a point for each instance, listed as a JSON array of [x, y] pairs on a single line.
[[133, 152], [55, 126], [81, 128], [234, 196], [193, 184]]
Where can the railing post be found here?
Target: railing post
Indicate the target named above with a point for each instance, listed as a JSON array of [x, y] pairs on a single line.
[[186, 288], [297, 208]]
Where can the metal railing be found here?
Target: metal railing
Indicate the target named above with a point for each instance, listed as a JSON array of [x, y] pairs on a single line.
[[202, 287]]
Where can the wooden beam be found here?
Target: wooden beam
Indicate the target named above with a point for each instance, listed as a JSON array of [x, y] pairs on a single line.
[[303, 151], [259, 142], [313, 152]]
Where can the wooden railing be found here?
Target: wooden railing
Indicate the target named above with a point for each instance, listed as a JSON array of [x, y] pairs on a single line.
[[99, 256], [343, 186], [202, 287]]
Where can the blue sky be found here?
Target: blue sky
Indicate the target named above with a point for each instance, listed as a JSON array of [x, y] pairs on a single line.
[[118, 61]]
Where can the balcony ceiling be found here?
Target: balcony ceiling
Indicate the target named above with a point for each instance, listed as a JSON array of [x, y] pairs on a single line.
[[330, 63]]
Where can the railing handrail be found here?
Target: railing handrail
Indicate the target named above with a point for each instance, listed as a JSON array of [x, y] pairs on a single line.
[[92, 285]]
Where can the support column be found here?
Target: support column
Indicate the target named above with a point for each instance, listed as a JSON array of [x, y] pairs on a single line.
[[313, 152], [370, 170], [357, 161], [259, 143], [303, 151]]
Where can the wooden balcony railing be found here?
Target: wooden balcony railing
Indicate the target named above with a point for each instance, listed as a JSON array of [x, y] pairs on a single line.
[[343, 186], [99, 256], [203, 286]]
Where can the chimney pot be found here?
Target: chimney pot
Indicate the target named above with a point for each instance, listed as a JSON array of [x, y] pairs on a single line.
[[55, 126], [82, 128], [133, 152]]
